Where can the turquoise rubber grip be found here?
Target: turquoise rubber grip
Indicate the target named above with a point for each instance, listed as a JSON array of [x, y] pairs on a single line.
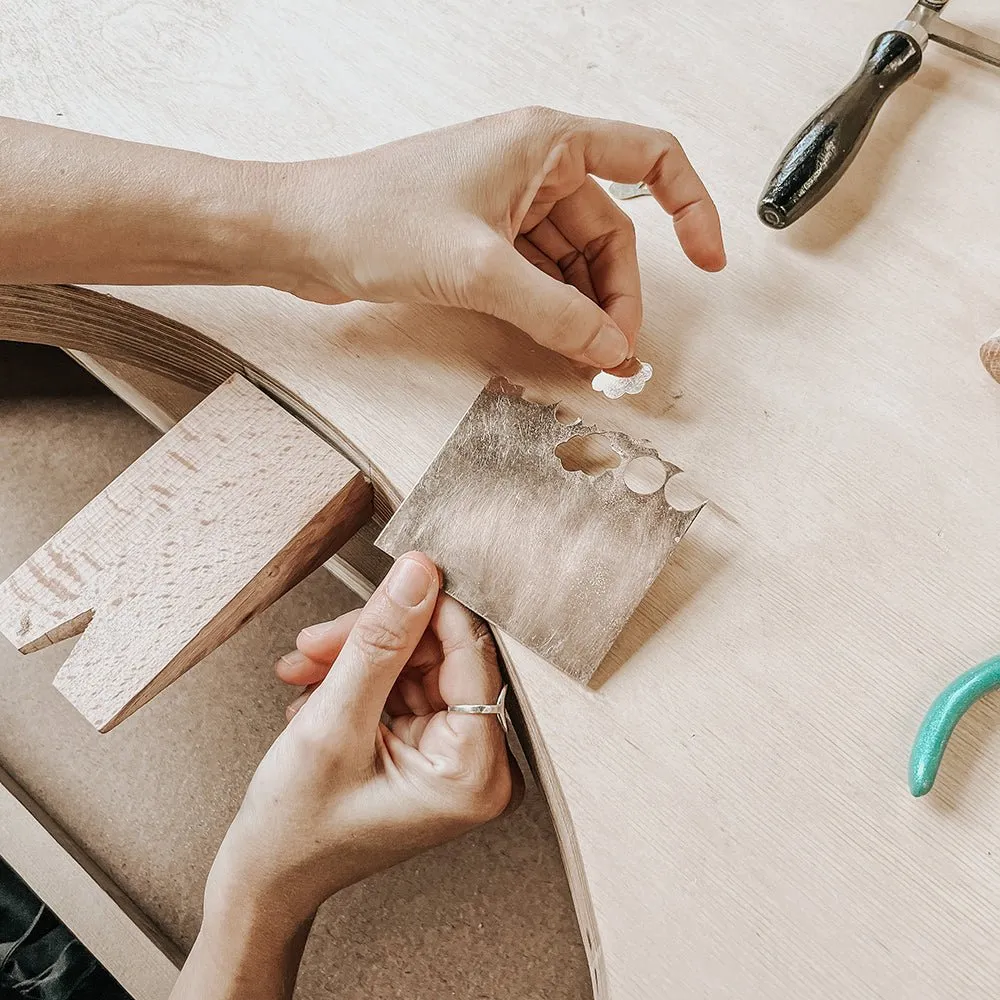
[[942, 717]]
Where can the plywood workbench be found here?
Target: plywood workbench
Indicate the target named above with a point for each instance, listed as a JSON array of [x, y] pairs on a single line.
[[731, 795]]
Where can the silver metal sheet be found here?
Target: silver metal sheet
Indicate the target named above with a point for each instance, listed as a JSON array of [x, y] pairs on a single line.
[[558, 559]]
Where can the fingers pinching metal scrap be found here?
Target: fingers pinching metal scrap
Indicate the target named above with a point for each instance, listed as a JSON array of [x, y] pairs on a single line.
[[629, 377], [623, 192]]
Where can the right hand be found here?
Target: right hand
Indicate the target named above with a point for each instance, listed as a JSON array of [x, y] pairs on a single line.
[[371, 768], [500, 215]]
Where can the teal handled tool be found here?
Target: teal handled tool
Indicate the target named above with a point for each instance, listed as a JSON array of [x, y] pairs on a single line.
[[939, 723]]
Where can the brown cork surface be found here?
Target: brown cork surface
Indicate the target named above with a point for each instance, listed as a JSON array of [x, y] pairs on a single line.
[[488, 916]]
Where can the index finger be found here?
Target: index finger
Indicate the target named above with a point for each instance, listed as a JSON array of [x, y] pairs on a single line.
[[619, 151]]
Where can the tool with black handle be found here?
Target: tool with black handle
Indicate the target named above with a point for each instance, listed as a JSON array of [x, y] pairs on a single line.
[[818, 156]]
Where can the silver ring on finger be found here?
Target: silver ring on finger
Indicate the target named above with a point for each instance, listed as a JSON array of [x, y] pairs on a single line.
[[498, 708]]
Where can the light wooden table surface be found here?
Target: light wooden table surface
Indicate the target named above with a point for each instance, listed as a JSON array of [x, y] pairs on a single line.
[[731, 797]]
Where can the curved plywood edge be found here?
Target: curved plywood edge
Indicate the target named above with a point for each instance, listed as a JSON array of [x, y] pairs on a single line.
[[533, 742], [109, 924], [78, 319]]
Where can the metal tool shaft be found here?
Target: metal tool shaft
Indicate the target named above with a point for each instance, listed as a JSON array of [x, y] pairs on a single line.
[[927, 13], [967, 42]]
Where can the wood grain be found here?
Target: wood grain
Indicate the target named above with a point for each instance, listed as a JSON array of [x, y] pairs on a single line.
[[89, 322], [162, 402], [731, 800], [158, 400], [107, 923], [232, 507]]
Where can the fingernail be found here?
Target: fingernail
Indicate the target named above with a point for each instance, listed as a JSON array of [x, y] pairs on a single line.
[[319, 631], [628, 368], [408, 583], [609, 348], [293, 660]]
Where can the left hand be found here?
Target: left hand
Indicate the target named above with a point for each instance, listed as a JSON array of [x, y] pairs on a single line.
[[342, 794], [501, 215]]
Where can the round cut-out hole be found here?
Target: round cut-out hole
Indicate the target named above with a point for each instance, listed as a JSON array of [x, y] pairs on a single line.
[[644, 475], [589, 453], [565, 415]]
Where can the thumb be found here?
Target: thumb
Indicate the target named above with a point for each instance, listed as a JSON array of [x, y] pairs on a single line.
[[554, 314], [379, 645]]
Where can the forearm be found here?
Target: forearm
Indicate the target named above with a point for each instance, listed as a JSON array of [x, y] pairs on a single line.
[[87, 209], [242, 953]]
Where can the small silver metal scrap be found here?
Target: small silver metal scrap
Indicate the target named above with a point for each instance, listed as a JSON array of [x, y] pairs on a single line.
[[623, 192], [615, 386]]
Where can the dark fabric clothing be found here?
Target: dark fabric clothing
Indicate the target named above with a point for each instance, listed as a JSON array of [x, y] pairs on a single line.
[[39, 958]]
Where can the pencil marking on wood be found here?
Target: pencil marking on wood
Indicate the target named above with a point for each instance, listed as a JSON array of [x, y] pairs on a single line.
[[49, 583], [87, 558], [64, 565], [180, 458]]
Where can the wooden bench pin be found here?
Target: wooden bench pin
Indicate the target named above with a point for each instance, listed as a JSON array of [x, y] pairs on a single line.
[[226, 512]]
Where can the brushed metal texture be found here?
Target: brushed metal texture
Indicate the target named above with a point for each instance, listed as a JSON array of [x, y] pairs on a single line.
[[557, 559]]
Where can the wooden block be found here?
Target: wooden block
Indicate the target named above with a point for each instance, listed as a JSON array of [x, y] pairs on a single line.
[[107, 923], [162, 402], [232, 507]]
